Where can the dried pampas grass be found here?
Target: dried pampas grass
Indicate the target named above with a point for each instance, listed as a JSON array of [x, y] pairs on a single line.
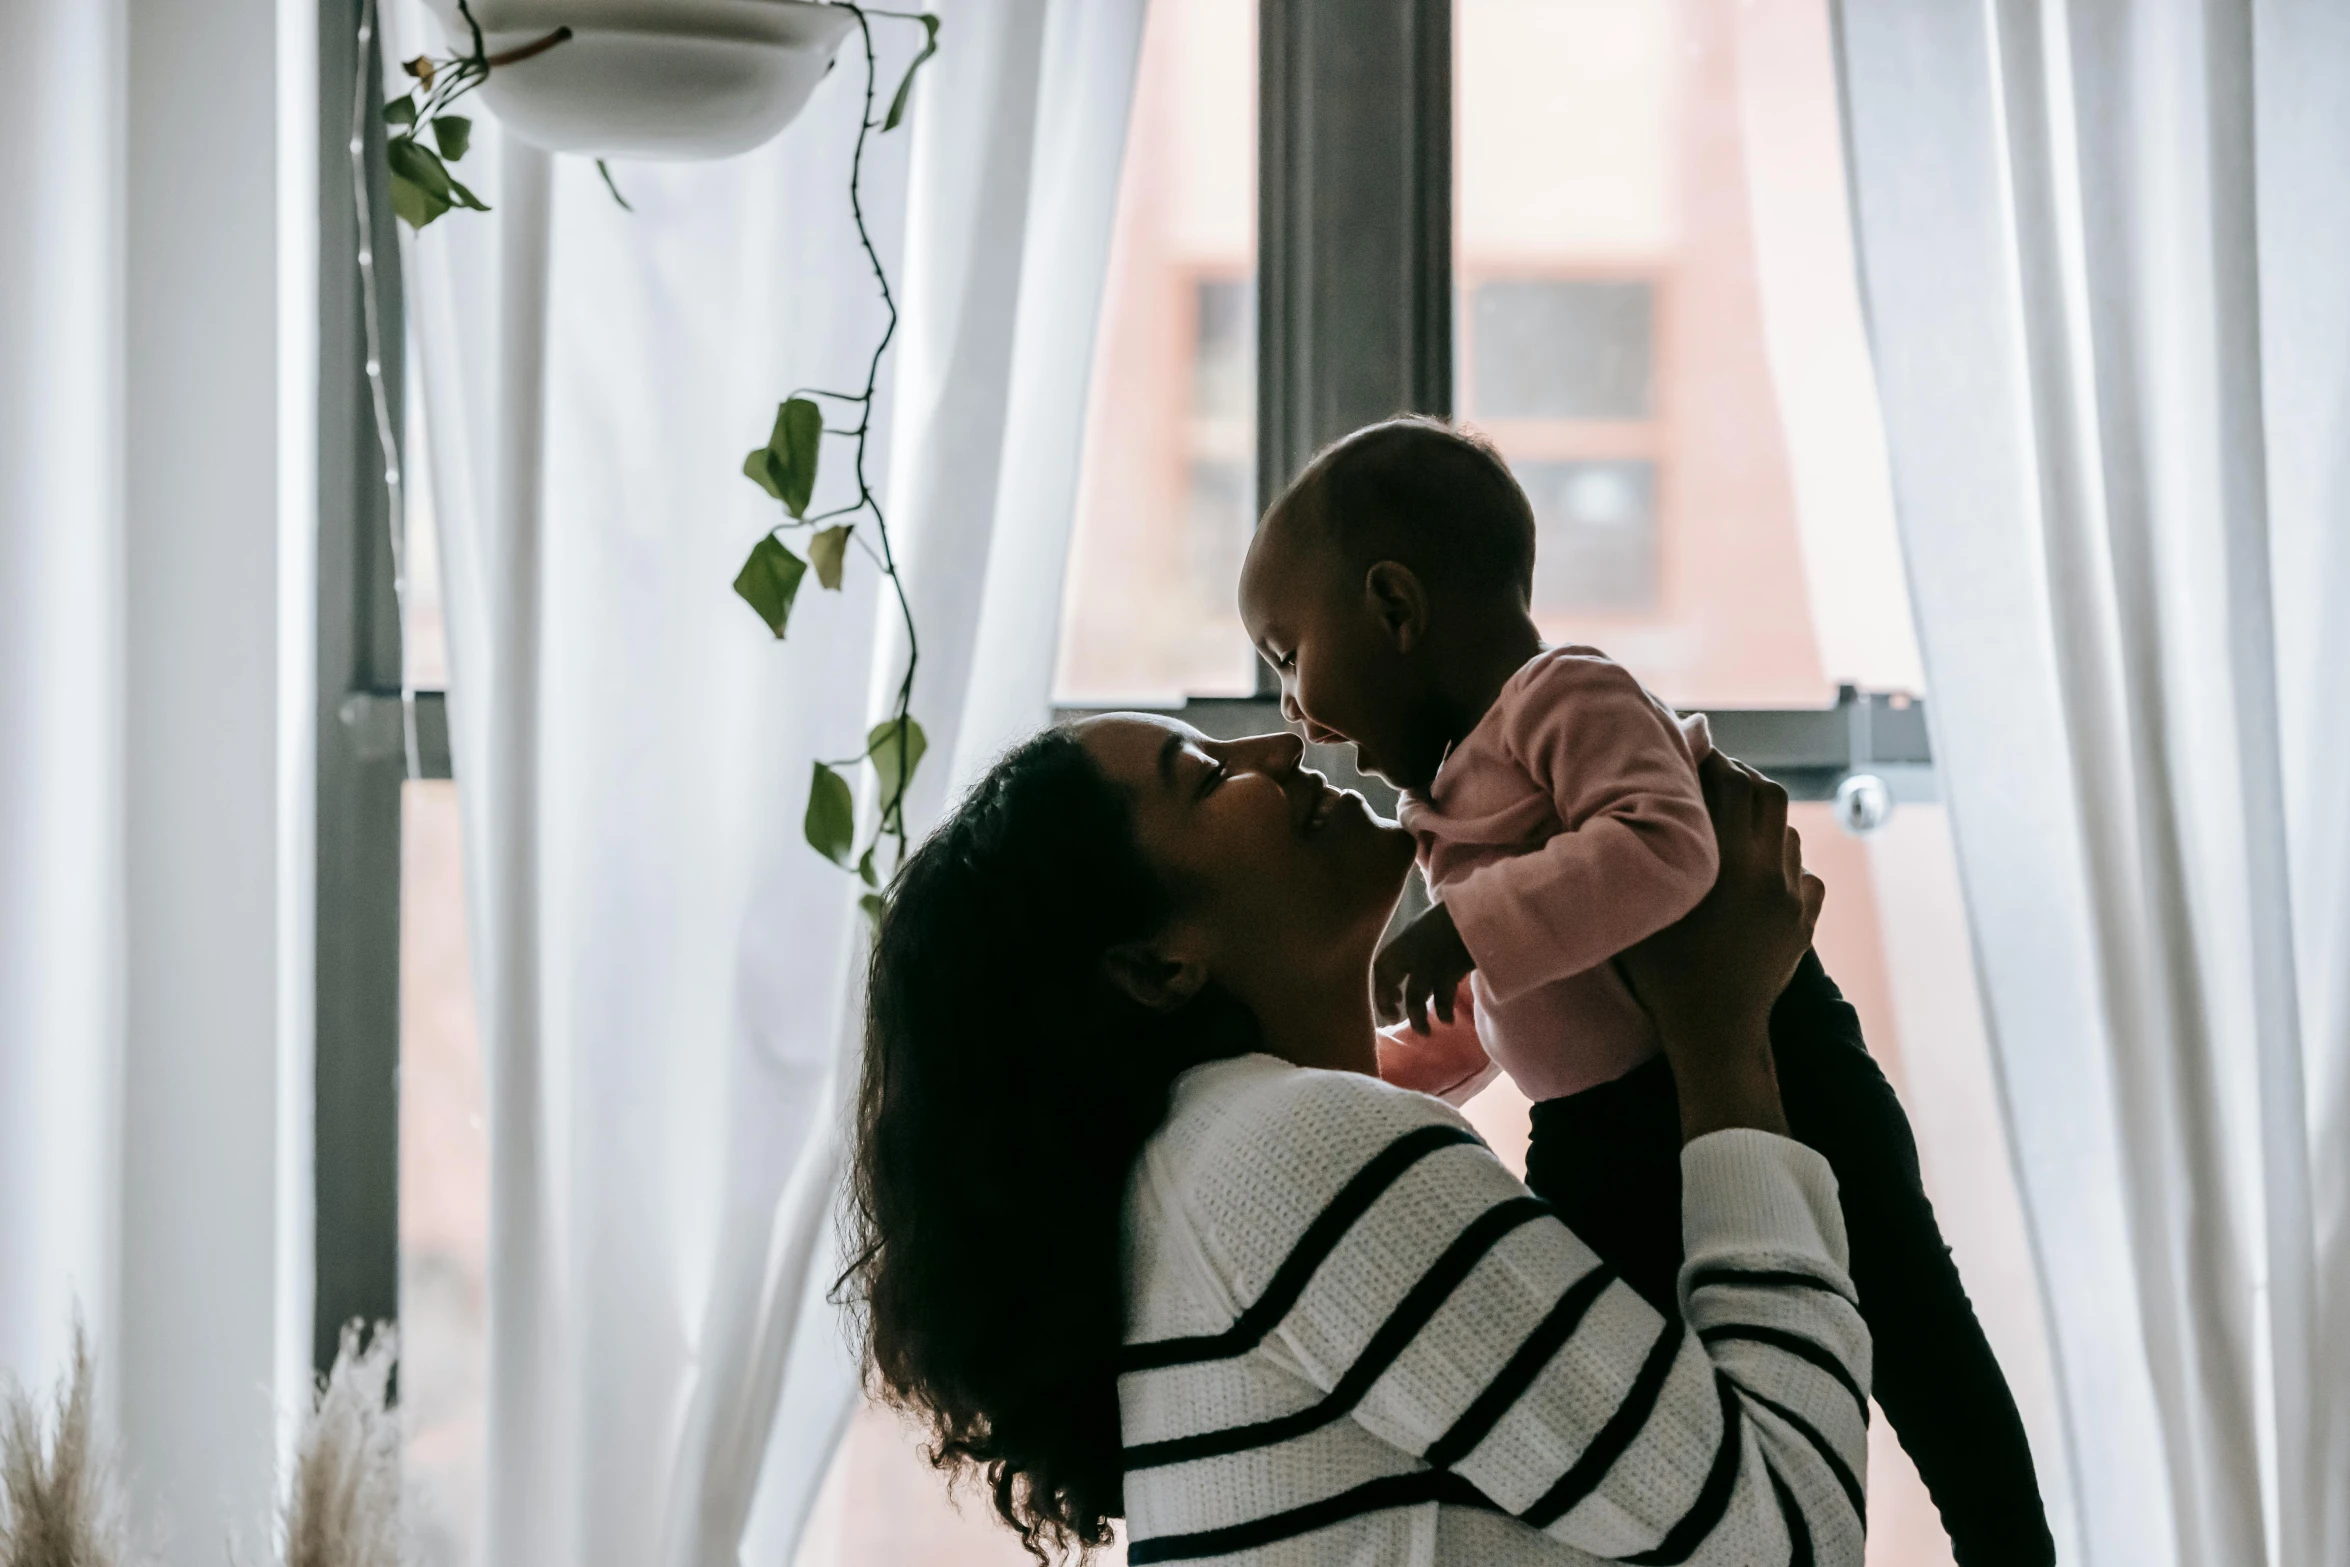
[[343, 1508], [59, 1502]]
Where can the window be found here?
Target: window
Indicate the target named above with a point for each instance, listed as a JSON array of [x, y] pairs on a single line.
[[444, 1141], [1220, 476], [1652, 314], [1561, 371], [1595, 535], [1167, 496], [1561, 349]]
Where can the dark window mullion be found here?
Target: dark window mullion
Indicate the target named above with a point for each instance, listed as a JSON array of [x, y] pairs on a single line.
[[357, 973]]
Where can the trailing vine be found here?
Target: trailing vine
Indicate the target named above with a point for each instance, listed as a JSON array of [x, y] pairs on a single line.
[[423, 189], [771, 576]]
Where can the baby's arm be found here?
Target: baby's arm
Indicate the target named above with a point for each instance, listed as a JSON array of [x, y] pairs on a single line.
[[1638, 849], [1448, 1060]]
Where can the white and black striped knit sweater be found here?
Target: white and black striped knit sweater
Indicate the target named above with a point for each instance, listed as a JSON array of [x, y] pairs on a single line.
[[1356, 1338]]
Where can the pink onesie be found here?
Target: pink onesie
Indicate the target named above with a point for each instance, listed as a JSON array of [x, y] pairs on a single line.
[[1566, 827]]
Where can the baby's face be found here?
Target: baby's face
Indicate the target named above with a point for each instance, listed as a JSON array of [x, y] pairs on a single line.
[[1343, 678]]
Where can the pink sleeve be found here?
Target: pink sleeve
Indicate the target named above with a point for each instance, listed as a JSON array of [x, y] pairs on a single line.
[[1448, 1061], [1637, 852]]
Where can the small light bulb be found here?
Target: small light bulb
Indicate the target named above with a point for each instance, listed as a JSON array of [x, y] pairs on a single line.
[[357, 146], [374, 367], [391, 476], [366, 258]]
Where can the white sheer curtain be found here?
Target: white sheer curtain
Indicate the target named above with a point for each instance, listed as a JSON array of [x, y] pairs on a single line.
[[667, 974], [61, 700], [2103, 248], [158, 511]]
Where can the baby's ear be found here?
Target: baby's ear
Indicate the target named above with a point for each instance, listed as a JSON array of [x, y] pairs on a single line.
[[1395, 593], [1157, 975]]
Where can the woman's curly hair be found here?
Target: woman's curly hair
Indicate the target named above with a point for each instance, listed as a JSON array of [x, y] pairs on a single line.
[[1008, 1088]]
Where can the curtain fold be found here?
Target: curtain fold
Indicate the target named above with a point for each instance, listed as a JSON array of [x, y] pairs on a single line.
[[61, 697], [2102, 248], [668, 976], [1013, 182], [158, 490]]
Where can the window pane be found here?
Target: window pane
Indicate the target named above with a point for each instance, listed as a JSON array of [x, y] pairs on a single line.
[[1660, 327], [1561, 349], [425, 639], [1224, 348], [444, 1191], [1167, 495], [1594, 535]]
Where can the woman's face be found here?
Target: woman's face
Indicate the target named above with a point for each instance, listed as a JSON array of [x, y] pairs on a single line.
[[1282, 874]]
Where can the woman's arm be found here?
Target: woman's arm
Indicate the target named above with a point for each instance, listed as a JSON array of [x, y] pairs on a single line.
[[1709, 980], [1438, 1305], [1448, 1312]]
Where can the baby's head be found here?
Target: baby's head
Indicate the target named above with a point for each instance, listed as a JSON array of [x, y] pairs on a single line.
[[1386, 585]]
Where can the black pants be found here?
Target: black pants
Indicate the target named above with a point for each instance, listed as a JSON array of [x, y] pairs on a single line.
[[1609, 1160]]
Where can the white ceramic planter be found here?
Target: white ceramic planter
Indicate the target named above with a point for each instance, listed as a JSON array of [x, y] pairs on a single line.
[[654, 78]]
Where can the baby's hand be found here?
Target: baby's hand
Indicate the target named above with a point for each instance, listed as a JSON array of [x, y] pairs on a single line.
[[1425, 962]]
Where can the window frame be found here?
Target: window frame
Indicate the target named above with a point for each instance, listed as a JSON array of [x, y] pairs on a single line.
[[1355, 320]]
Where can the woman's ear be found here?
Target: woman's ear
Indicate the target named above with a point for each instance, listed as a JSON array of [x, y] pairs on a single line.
[[1159, 975], [1399, 598]]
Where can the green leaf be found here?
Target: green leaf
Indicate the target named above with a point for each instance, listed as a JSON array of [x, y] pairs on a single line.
[[832, 816], [875, 906], [452, 133], [866, 872], [793, 446], [759, 468], [826, 552], [881, 747], [897, 105], [770, 580], [413, 204], [400, 111], [413, 161], [466, 197]]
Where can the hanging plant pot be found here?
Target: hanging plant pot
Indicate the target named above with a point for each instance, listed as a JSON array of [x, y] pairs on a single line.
[[679, 79]]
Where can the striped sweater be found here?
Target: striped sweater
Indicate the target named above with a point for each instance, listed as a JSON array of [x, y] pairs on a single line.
[[1355, 1338]]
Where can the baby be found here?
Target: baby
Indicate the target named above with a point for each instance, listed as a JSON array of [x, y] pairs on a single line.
[[1560, 821]]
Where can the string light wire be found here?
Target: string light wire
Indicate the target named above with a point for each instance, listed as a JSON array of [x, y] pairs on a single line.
[[379, 394]]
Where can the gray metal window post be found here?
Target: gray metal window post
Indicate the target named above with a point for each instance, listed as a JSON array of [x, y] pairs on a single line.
[[1354, 221], [357, 974]]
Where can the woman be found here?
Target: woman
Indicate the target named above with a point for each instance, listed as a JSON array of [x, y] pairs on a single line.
[[1140, 1234]]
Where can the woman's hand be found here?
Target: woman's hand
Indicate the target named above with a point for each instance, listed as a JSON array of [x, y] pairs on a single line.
[[1709, 981]]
